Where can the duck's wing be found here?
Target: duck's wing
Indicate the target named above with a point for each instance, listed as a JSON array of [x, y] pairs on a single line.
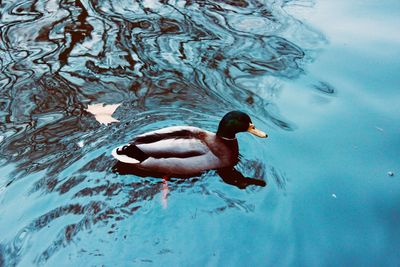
[[175, 141], [182, 132], [172, 142], [174, 147]]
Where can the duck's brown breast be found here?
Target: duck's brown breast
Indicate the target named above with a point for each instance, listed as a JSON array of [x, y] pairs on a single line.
[[227, 151]]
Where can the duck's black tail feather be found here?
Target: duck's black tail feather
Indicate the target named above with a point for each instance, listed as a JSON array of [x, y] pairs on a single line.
[[132, 151]]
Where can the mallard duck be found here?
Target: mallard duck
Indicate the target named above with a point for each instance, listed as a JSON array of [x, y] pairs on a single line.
[[187, 150]]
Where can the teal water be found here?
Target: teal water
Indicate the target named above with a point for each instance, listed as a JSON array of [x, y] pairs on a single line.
[[321, 78]]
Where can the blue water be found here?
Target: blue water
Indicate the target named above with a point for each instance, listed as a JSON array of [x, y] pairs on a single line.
[[321, 78]]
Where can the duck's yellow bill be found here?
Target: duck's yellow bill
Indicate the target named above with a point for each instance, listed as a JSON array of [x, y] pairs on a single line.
[[253, 130]]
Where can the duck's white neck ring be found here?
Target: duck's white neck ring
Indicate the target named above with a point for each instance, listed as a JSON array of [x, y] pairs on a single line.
[[229, 139]]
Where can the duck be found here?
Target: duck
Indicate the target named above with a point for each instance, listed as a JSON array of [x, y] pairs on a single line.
[[187, 150]]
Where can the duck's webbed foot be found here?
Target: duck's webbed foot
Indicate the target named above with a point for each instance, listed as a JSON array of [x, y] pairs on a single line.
[[232, 176]]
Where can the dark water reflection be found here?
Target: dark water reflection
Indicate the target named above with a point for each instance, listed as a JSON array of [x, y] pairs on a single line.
[[168, 63]]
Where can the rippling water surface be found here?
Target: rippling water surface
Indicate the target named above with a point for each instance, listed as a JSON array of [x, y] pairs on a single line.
[[322, 78]]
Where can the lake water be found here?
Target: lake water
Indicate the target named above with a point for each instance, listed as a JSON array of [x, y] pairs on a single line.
[[321, 78]]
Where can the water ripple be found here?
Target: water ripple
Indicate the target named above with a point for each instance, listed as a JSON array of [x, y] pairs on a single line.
[[167, 62]]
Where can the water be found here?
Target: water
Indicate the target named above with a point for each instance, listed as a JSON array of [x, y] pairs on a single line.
[[320, 78]]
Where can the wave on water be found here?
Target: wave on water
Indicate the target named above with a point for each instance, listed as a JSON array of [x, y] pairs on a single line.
[[167, 62]]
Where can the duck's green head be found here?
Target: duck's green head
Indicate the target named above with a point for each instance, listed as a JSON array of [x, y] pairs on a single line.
[[235, 122]]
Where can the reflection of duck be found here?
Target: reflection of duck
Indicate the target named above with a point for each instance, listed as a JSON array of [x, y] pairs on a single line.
[[185, 150]]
